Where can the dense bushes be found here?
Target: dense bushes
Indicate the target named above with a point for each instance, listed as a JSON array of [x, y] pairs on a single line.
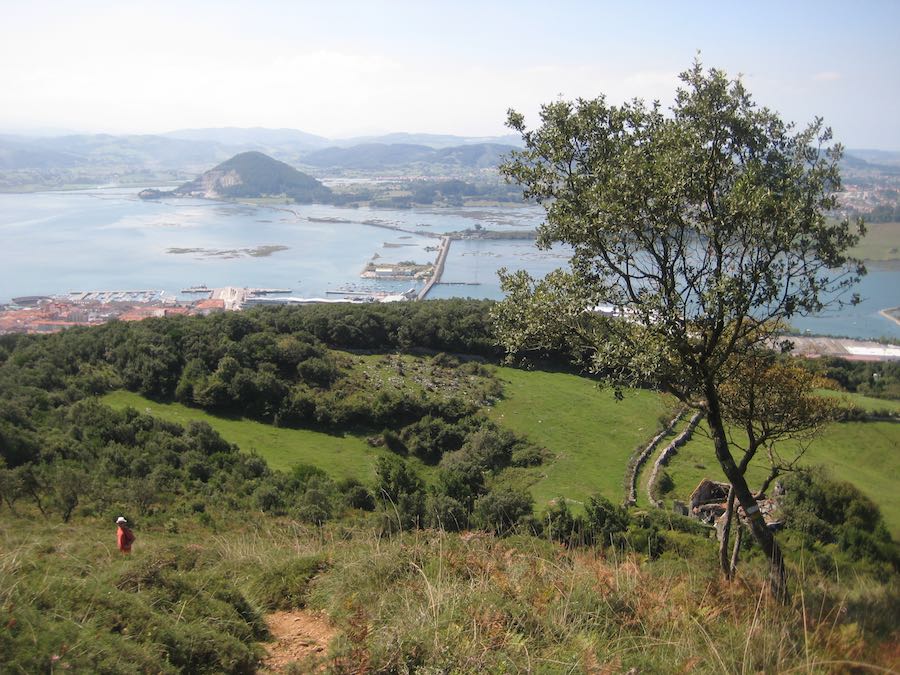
[[827, 511], [269, 363], [99, 461], [473, 454]]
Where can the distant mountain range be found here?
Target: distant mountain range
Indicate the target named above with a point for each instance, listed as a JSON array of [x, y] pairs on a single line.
[[253, 137], [70, 159], [259, 136], [191, 150], [374, 156], [18, 152]]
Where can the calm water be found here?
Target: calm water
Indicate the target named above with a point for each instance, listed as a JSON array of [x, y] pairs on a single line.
[[56, 242]]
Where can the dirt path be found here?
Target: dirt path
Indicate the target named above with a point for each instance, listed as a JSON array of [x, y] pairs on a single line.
[[298, 635]]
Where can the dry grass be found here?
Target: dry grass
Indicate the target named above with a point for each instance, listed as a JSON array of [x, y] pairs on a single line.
[[428, 601]]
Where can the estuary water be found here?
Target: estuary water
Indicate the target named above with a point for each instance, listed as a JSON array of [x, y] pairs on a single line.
[[108, 239]]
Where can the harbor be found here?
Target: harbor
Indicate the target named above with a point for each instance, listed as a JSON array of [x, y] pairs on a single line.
[[123, 256]]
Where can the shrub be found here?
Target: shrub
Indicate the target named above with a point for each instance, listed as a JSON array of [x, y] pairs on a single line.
[[664, 483], [268, 499], [830, 511], [443, 512], [560, 525], [356, 495], [431, 437], [393, 442], [402, 494], [502, 509], [318, 371], [443, 360], [605, 521], [527, 455]]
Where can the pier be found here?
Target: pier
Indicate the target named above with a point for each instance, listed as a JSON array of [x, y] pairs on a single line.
[[438, 268]]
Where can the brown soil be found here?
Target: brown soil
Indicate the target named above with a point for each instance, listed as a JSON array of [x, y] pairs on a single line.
[[298, 636]]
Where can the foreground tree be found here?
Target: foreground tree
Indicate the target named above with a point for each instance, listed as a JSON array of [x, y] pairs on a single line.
[[704, 229]]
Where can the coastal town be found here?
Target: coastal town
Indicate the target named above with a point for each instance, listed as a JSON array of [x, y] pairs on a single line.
[[50, 314]]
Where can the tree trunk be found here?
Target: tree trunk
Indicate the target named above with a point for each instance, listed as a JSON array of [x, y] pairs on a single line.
[[724, 561], [736, 552], [762, 534]]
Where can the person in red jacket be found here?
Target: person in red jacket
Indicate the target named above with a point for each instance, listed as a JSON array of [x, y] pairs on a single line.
[[126, 536]]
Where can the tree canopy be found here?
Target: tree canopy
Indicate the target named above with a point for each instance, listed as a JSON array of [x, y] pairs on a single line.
[[704, 228]]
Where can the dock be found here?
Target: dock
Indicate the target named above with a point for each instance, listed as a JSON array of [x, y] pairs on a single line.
[[438, 268]]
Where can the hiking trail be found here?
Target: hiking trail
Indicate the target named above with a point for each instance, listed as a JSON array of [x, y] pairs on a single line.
[[297, 636]]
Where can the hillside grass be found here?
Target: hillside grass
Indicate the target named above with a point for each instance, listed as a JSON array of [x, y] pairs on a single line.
[[194, 600], [882, 242], [342, 456], [589, 434], [867, 403]]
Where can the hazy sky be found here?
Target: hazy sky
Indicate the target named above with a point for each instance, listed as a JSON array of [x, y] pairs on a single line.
[[339, 68]]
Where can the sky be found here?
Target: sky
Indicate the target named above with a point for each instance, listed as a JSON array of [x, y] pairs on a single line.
[[342, 68]]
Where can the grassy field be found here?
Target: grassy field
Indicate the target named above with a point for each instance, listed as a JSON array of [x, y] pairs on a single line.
[[589, 433], [882, 242], [342, 456]]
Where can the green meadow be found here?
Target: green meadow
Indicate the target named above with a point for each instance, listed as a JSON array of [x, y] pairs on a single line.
[[589, 434], [865, 402]]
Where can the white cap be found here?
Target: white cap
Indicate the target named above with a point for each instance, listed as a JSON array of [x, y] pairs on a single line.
[[120, 520]]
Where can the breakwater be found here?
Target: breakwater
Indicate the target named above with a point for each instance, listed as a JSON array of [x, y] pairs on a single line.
[[444, 249]]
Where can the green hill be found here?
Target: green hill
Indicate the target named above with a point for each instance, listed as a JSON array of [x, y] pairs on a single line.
[[253, 174], [588, 434]]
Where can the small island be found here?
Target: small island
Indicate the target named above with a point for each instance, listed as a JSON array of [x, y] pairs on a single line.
[[250, 175]]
